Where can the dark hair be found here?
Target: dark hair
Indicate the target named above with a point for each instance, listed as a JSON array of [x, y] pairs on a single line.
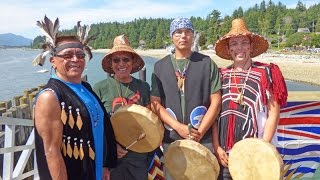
[[61, 39]]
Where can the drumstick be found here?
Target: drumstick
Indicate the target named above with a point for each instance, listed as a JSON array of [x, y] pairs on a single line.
[[139, 138], [189, 129]]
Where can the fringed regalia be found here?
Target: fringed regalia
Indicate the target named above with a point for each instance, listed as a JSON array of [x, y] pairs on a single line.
[[77, 148], [244, 101]]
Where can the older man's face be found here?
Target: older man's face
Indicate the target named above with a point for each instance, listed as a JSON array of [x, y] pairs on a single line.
[[122, 64]]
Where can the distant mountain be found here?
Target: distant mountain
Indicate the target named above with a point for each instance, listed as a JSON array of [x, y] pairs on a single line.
[[10, 39]]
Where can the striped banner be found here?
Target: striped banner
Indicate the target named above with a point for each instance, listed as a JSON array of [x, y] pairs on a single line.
[[156, 167], [298, 135]]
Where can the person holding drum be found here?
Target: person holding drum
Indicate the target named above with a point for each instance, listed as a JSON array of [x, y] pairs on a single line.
[[121, 89], [252, 92], [186, 89]]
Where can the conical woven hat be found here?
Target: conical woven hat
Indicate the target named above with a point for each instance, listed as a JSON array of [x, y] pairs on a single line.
[[121, 43], [239, 28]]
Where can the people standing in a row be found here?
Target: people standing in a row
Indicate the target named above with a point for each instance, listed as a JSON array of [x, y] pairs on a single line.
[[74, 138], [122, 89], [252, 93], [186, 91], [185, 86]]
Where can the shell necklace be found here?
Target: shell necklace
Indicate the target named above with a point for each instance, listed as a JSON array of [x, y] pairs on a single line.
[[181, 75], [239, 99]]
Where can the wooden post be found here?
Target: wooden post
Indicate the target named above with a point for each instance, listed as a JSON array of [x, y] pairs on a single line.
[[33, 89], [16, 100], [25, 111], [2, 110], [14, 112], [2, 104], [8, 104], [40, 87], [31, 99], [23, 100]]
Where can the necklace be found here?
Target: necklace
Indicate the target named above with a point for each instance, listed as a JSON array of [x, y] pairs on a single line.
[[181, 75], [239, 100], [93, 108], [123, 100], [95, 115]]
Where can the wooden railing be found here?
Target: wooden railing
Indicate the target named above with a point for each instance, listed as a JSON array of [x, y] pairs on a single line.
[[10, 149], [17, 156]]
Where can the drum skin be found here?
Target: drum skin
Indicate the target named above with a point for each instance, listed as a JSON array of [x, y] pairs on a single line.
[[130, 121], [187, 159], [254, 158]]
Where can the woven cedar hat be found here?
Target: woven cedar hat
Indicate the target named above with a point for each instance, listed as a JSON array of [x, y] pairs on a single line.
[[239, 28], [121, 44]]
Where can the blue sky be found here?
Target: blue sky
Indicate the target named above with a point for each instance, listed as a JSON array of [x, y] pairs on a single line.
[[20, 16]]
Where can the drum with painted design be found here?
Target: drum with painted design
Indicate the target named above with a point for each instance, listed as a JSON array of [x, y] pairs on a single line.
[[187, 159], [254, 158], [131, 121]]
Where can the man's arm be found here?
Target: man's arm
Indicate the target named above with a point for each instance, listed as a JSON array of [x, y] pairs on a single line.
[[219, 152], [163, 114], [212, 113], [49, 125], [272, 120]]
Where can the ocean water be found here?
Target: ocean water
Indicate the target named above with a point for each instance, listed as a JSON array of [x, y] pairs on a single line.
[[18, 74]]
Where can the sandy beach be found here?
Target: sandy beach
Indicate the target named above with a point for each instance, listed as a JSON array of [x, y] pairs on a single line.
[[303, 68]]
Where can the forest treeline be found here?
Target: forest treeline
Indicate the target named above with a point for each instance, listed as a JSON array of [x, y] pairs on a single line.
[[275, 21]]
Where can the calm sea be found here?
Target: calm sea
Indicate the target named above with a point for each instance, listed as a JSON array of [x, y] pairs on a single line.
[[18, 74]]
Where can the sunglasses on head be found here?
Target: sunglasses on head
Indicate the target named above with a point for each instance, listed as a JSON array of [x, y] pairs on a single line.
[[117, 60], [69, 56]]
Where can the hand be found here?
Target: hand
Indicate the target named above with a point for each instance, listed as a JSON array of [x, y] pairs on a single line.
[[120, 151], [222, 156], [106, 174], [184, 133]]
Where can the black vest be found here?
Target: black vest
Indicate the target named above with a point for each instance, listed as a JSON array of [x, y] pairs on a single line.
[[197, 90], [76, 168]]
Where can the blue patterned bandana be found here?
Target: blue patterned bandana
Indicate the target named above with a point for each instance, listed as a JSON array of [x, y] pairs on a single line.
[[180, 23]]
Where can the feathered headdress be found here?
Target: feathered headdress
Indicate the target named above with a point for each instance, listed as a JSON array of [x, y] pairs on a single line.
[[84, 38], [50, 31]]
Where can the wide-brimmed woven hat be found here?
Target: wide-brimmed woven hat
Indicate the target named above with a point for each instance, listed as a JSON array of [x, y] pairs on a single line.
[[121, 44], [239, 28]]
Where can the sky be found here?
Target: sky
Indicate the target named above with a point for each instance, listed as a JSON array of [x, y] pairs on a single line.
[[19, 16]]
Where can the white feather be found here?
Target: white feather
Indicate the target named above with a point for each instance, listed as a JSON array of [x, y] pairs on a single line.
[[40, 59]]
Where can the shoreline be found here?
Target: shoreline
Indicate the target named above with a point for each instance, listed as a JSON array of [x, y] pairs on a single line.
[[294, 67]]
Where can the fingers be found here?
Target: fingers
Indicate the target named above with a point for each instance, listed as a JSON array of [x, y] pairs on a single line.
[[195, 135], [222, 156], [224, 160], [120, 151], [106, 174]]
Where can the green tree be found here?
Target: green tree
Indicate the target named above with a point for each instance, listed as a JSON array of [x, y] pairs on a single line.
[[214, 21], [295, 39]]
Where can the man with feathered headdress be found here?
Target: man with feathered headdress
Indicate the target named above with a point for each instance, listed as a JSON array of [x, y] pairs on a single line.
[[74, 138]]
